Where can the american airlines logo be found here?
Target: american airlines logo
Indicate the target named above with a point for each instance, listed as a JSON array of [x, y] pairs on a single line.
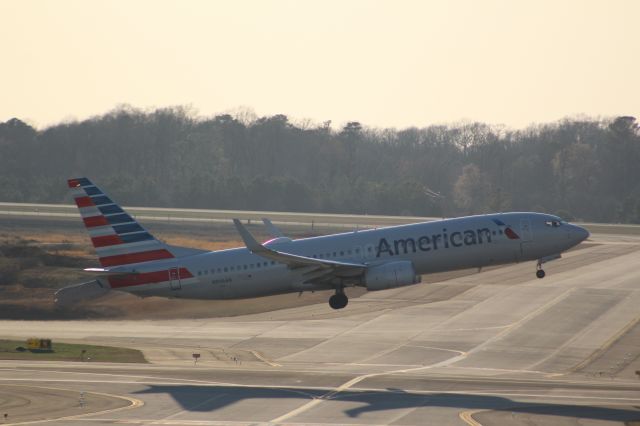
[[444, 239], [507, 230]]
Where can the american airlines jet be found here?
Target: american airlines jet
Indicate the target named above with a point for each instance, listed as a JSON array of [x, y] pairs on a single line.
[[134, 261]]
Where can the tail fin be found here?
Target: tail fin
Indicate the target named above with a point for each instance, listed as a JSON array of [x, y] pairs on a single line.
[[117, 237]]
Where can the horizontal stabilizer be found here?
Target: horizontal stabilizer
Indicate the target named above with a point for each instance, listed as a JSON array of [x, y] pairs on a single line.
[[107, 272], [75, 293]]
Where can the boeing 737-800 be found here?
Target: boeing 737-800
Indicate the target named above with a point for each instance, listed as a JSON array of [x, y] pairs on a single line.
[[134, 261]]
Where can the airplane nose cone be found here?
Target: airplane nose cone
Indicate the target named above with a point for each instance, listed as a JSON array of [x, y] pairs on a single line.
[[579, 234]]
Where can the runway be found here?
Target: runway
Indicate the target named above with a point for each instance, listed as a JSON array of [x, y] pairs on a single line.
[[175, 215], [491, 348], [206, 215]]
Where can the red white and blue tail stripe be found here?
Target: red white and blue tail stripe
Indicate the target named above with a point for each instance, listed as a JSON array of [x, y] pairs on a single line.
[[117, 237]]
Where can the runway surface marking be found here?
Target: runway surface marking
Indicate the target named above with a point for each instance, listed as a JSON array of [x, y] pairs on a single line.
[[332, 392], [444, 363], [390, 348], [433, 347], [346, 330], [461, 355], [624, 385], [135, 403], [263, 359], [467, 417], [180, 412], [606, 345]]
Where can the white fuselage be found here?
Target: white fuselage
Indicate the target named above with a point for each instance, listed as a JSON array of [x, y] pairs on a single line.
[[451, 244]]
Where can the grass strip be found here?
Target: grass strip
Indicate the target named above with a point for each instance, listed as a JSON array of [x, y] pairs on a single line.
[[70, 352]]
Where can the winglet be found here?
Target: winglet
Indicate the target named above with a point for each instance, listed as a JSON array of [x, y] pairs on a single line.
[[248, 239], [271, 228]]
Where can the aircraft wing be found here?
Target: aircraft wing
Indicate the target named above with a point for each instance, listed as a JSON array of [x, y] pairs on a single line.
[[295, 260]]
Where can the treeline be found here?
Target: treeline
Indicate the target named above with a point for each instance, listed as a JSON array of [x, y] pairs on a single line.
[[587, 169]]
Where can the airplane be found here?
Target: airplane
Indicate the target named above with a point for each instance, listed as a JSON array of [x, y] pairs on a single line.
[[134, 261]]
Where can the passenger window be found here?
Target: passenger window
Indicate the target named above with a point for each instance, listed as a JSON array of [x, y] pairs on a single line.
[[341, 253], [225, 269]]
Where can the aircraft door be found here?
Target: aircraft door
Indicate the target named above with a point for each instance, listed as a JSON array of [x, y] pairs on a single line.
[[526, 238], [525, 230], [174, 279]]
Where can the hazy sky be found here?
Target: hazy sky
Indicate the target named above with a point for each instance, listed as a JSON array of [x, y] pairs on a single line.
[[384, 63]]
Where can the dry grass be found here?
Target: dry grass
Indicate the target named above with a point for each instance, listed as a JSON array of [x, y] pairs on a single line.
[[48, 237], [201, 243]]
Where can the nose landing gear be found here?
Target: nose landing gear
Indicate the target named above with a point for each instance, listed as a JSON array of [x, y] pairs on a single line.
[[338, 300], [540, 272]]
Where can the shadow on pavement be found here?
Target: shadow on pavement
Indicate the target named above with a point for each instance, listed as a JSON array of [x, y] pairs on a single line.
[[212, 398]]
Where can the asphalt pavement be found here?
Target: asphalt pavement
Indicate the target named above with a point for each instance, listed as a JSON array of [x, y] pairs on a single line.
[[495, 347]]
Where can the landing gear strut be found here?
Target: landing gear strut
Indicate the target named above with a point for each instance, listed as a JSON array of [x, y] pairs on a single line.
[[338, 300], [540, 272]]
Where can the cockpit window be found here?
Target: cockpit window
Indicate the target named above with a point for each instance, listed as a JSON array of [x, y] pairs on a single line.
[[553, 223]]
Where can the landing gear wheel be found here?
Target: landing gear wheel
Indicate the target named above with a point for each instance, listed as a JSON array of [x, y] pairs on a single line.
[[338, 301], [540, 273]]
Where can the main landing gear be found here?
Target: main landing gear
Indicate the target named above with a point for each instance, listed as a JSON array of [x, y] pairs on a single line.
[[540, 272], [338, 300]]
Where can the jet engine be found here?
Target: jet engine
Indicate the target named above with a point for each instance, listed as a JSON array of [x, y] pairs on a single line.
[[391, 275]]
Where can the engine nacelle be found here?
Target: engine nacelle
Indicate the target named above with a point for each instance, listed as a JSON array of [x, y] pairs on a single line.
[[391, 275]]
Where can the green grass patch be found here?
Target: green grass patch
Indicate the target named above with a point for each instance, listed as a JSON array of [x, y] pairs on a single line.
[[70, 352]]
